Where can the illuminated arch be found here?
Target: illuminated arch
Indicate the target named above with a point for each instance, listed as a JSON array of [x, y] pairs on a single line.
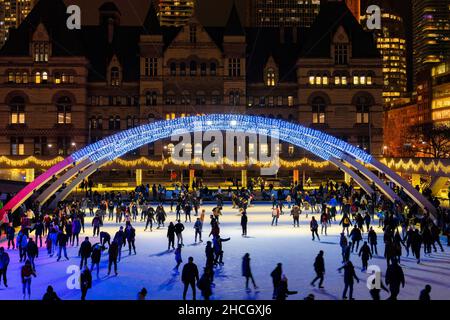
[[327, 147]]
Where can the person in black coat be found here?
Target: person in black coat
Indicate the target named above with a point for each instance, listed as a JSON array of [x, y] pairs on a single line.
[[171, 236], [282, 290], [4, 262], [247, 272], [96, 256], [349, 275], [244, 220], [425, 293], [85, 252], [130, 235], [61, 242], [372, 239], [38, 232], [113, 253], [189, 276], [105, 237], [276, 278], [365, 255], [50, 295], [356, 237], [85, 281], [319, 268], [32, 252], [394, 278], [179, 228], [416, 244], [10, 234]]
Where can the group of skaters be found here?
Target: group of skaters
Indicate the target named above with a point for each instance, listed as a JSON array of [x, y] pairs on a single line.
[[400, 224]]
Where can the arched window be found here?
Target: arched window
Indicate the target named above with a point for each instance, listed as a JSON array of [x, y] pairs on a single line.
[[115, 76], [41, 51], [111, 123], [173, 69], [129, 122], [362, 109], [117, 123], [234, 98], [44, 77], [151, 118], [203, 69], [17, 108], [64, 110], [193, 68], [37, 77], [18, 77], [318, 110], [215, 97], [213, 69], [24, 77], [151, 98], [270, 77]]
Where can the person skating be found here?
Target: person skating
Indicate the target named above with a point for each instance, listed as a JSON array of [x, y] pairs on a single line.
[[314, 226], [365, 255], [275, 215], [435, 235], [22, 241], [244, 221], [26, 273], [276, 278], [85, 282], [247, 272], [113, 253], [346, 223], [179, 228], [319, 268], [130, 235], [171, 236], [61, 242], [142, 294], [38, 232], [50, 295], [85, 252], [323, 222], [198, 226], [416, 244], [96, 224], [95, 257], [209, 253], [356, 237], [394, 278], [295, 212], [32, 252], [76, 229], [218, 249], [105, 238], [4, 262], [150, 218], [343, 243], [372, 239], [349, 277], [119, 237], [189, 276], [425, 293], [10, 234], [204, 284], [178, 258]]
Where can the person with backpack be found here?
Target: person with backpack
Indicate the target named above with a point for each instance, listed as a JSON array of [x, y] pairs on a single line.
[[346, 223], [314, 226], [319, 268]]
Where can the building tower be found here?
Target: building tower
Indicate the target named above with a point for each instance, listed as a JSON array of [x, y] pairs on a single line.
[[174, 12], [12, 13], [391, 41], [431, 39]]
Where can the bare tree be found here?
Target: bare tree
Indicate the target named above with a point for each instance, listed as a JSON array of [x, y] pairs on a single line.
[[430, 139]]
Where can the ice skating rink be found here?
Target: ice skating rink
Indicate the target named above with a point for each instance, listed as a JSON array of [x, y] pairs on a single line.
[[152, 267]]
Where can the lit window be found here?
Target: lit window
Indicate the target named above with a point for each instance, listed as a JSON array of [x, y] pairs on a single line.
[[17, 146], [362, 109], [318, 110], [325, 80], [37, 78], [270, 77], [312, 80], [17, 107], [64, 110], [290, 101], [115, 76], [41, 51], [355, 80]]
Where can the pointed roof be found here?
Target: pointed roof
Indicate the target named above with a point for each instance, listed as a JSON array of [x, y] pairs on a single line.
[[151, 22], [233, 26]]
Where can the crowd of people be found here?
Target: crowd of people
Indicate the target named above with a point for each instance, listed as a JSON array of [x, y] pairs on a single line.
[[400, 225]]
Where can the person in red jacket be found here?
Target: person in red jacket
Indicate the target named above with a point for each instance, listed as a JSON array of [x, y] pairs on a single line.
[[26, 273]]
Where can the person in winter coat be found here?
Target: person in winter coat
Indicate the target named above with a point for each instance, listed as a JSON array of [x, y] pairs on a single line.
[[189, 276], [314, 226], [416, 244], [26, 273], [282, 291], [76, 229], [130, 235], [275, 215], [204, 284], [427, 239], [319, 268], [349, 276], [10, 234], [61, 242], [113, 253], [160, 216], [50, 295], [343, 244], [32, 252], [97, 223], [179, 228], [22, 242], [247, 272], [276, 278], [85, 282], [96, 256], [4, 262], [105, 238], [150, 218], [324, 222], [244, 221], [295, 213], [365, 255], [198, 226], [345, 222], [425, 293], [171, 236], [372, 239], [38, 232], [178, 258], [84, 252], [218, 249], [356, 237], [394, 278], [435, 235], [119, 237]]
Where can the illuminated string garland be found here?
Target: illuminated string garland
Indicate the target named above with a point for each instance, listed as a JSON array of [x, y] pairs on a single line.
[[31, 160], [435, 166]]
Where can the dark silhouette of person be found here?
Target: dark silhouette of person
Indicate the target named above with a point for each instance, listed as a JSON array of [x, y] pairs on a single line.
[[394, 278], [319, 268], [189, 276], [425, 293], [349, 276], [85, 251], [276, 278]]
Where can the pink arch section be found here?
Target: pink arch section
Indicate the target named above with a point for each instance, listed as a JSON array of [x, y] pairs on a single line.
[[26, 192]]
